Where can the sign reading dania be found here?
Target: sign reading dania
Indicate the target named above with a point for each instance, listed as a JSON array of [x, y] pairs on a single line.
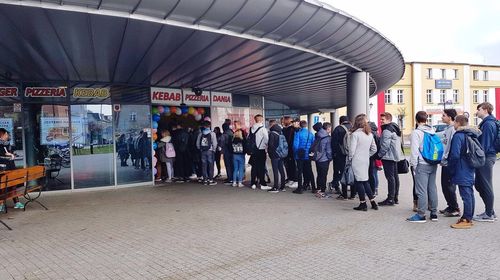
[[222, 99], [100, 93]]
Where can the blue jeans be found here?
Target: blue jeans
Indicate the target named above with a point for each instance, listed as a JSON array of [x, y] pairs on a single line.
[[467, 194], [239, 167], [373, 176], [207, 164], [278, 170]]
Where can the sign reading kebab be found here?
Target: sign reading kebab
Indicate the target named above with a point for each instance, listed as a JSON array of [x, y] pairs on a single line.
[[166, 96], [45, 92]]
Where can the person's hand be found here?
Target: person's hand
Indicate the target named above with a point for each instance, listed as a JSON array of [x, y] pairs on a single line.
[[12, 156]]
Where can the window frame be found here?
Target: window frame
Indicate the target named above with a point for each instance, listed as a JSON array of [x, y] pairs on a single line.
[[455, 96], [428, 96], [387, 97], [442, 96], [400, 94], [475, 96]]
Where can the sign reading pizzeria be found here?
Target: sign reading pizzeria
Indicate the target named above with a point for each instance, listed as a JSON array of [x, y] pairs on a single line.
[[222, 99], [166, 96], [9, 92], [45, 92], [191, 99], [100, 93]]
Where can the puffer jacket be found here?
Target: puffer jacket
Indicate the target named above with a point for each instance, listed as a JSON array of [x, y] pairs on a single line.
[[390, 142], [274, 140], [322, 146], [303, 140], [416, 144], [461, 172]]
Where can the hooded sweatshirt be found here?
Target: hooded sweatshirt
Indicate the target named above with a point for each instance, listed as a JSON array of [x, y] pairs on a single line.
[[322, 146], [416, 144], [390, 142], [261, 137], [206, 131], [461, 172], [274, 140]]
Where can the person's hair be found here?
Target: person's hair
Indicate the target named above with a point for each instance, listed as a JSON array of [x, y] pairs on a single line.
[[238, 134], [343, 119], [217, 130], [287, 120], [257, 117], [303, 123], [360, 121], [462, 120], [387, 115], [271, 122], [3, 131], [296, 120], [452, 113], [486, 106], [327, 125], [421, 117]]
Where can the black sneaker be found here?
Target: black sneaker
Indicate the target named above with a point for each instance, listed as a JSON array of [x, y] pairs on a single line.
[[205, 182], [445, 210], [434, 217], [341, 197], [386, 202], [273, 190], [282, 189], [227, 182], [297, 191], [396, 201], [179, 180], [211, 183]]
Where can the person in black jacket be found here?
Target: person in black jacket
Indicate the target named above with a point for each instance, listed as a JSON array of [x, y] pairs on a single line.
[[180, 140], [276, 160], [373, 171], [218, 152], [339, 155], [7, 158], [290, 127], [226, 149]]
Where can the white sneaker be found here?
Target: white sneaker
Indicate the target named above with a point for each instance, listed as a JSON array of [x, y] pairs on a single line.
[[254, 187], [193, 177], [234, 184], [288, 183], [265, 188], [240, 185], [293, 185]]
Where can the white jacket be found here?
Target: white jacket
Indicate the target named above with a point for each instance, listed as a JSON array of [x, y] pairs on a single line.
[[262, 136], [361, 148]]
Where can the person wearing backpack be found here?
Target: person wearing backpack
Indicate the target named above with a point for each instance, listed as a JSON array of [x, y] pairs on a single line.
[[484, 175], [166, 156], [238, 150], [425, 170], [226, 147], [390, 153], [291, 127], [449, 189], [339, 150], [322, 155], [460, 170], [277, 150], [257, 142], [207, 144], [301, 145]]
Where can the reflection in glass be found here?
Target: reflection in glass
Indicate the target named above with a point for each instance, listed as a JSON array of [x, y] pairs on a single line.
[[13, 123], [92, 144], [133, 144]]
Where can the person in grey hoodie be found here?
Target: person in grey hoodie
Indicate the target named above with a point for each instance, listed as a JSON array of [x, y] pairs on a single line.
[[258, 158], [207, 144], [449, 189], [390, 153], [425, 174], [322, 153]]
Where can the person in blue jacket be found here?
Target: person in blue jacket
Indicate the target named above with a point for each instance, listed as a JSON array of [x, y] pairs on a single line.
[[462, 174], [484, 174], [301, 144]]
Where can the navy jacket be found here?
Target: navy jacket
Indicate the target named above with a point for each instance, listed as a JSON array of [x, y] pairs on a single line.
[[274, 140], [489, 133], [461, 172], [338, 139]]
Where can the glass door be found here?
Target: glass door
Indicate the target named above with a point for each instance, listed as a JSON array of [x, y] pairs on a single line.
[[92, 145]]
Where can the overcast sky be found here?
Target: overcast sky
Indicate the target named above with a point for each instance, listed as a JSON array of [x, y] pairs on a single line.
[[438, 30]]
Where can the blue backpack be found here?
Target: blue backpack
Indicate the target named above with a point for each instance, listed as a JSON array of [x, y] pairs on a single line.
[[432, 149], [282, 149]]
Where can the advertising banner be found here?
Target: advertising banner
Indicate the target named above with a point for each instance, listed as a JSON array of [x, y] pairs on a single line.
[[166, 96], [8, 124], [222, 99], [8, 92], [45, 92], [99, 93], [78, 129], [191, 99], [54, 130]]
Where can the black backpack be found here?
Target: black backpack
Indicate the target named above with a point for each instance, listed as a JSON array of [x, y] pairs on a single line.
[[497, 139], [205, 142], [474, 153], [251, 145]]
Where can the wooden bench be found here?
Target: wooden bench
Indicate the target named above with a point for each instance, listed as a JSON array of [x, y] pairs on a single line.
[[21, 183]]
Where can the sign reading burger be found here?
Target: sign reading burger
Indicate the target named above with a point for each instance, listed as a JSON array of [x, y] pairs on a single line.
[[166, 96], [222, 99], [8, 92]]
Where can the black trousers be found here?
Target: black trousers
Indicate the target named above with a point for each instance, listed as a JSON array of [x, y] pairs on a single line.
[[304, 174], [291, 168], [391, 174], [322, 170], [228, 162], [449, 189], [258, 162], [182, 165], [217, 161], [338, 169]]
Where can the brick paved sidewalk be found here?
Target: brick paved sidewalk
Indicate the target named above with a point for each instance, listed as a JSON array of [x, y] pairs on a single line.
[[191, 231]]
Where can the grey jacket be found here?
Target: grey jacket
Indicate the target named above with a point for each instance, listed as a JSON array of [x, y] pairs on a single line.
[[390, 143], [446, 137], [416, 144], [213, 147], [322, 146], [361, 147]]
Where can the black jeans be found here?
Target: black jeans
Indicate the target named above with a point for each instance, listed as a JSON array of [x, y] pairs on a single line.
[[391, 174], [322, 170], [217, 161], [338, 169], [412, 170], [363, 187], [183, 170], [484, 184], [449, 189], [304, 169], [278, 171], [258, 162], [291, 168], [228, 162]]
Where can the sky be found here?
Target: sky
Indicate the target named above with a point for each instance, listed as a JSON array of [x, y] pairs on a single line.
[[462, 31]]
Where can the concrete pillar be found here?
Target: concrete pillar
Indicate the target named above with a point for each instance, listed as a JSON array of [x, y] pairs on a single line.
[[334, 117], [310, 119], [358, 88]]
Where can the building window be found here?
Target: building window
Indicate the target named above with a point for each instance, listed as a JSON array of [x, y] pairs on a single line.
[[485, 76], [133, 116], [387, 96], [485, 96], [442, 96], [455, 96], [429, 119], [429, 73], [443, 73], [475, 96], [429, 96], [475, 75], [400, 96], [455, 74]]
